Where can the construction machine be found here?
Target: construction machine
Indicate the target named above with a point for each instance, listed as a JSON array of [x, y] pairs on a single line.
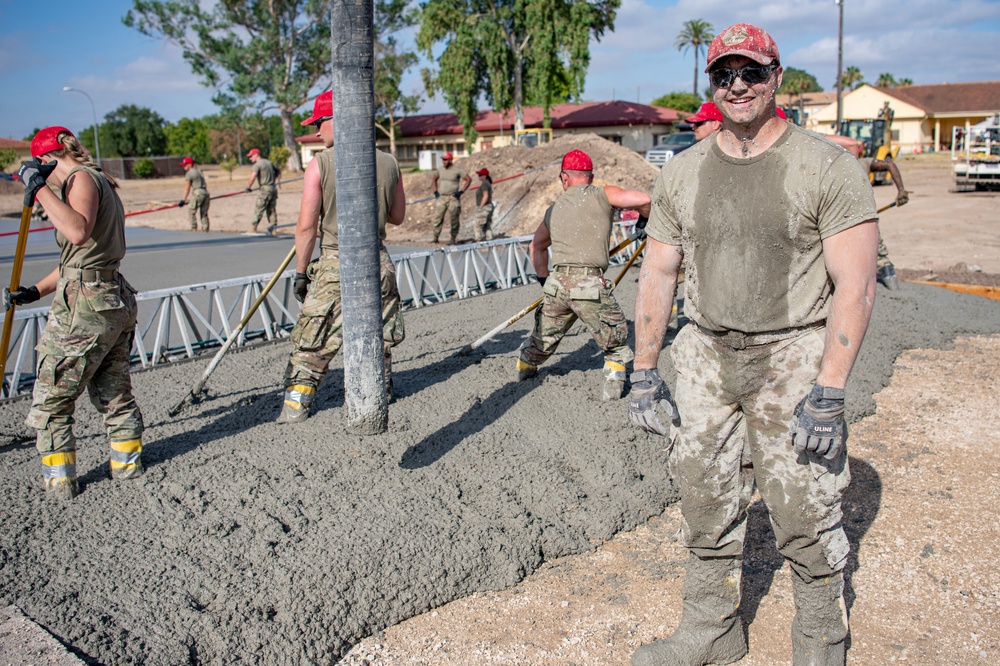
[[875, 137]]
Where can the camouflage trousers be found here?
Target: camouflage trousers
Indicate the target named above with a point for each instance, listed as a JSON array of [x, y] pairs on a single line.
[[736, 407], [267, 202], [567, 297], [484, 220], [317, 336], [86, 345], [447, 205], [883, 253], [198, 207]]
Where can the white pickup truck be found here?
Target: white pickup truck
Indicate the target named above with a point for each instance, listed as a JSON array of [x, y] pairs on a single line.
[[670, 145]]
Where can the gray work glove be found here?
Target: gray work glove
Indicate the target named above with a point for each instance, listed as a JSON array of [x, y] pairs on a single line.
[[34, 174], [20, 296], [902, 198], [301, 286], [181, 203], [818, 423], [436, 194], [650, 402], [249, 190]]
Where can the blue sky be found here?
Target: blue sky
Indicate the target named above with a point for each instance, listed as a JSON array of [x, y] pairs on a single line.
[[84, 44]]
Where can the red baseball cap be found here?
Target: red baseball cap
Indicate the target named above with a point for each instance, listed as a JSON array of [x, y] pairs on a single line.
[[745, 40], [483, 172], [448, 156], [577, 160], [322, 108], [187, 161], [47, 140], [781, 113], [708, 111], [253, 151]]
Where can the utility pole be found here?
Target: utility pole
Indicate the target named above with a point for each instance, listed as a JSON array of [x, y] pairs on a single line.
[[840, 67], [357, 214]]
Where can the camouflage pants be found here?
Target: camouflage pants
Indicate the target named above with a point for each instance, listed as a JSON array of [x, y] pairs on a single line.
[[484, 219], [267, 202], [883, 253], [449, 205], [317, 337], [198, 206], [86, 345], [736, 406], [589, 297]]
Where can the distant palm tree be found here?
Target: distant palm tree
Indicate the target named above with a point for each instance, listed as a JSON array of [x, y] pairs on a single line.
[[902, 83], [852, 78], [696, 35], [886, 80]]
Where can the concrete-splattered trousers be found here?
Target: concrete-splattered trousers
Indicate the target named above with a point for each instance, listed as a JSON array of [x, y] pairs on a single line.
[[735, 396], [86, 345], [572, 292], [317, 335]]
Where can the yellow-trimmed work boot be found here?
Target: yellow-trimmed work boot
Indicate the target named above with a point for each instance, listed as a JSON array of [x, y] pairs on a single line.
[[126, 461], [59, 471], [298, 400]]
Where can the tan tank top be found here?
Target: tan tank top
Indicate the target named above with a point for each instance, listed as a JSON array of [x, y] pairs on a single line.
[[387, 177], [579, 223], [106, 245]]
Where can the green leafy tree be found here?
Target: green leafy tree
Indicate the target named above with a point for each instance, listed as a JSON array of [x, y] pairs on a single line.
[[679, 101], [228, 165], [798, 81], [189, 136], [132, 131], [143, 168], [8, 156], [885, 80], [695, 35], [279, 156], [390, 64], [272, 51], [852, 78], [509, 50]]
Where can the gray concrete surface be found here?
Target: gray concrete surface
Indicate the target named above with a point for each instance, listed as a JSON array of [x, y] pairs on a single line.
[[250, 542]]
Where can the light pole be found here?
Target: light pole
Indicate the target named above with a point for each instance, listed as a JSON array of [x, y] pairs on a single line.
[[840, 66], [97, 143]]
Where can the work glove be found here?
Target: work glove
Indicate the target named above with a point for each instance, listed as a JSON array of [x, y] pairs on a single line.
[[249, 190], [818, 423], [650, 402], [457, 194], [181, 203], [542, 279], [902, 198], [436, 194], [20, 296], [34, 174], [640, 229], [301, 287]]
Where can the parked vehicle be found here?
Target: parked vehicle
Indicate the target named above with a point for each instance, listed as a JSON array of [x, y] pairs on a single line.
[[670, 146]]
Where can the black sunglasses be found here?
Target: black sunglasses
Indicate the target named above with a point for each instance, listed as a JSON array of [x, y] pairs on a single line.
[[319, 121], [698, 123], [723, 77]]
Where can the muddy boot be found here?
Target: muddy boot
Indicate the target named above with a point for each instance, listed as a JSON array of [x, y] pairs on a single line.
[[525, 370], [298, 400], [126, 462], [887, 276], [614, 381], [710, 631], [59, 472], [819, 630]]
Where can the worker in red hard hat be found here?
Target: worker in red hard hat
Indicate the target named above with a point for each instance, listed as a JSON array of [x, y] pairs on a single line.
[[90, 326], [266, 174], [484, 206], [706, 121], [576, 234], [449, 183], [194, 184]]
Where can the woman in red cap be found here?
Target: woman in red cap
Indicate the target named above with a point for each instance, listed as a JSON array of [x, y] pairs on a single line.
[[194, 184], [88, 335], [484, 206]]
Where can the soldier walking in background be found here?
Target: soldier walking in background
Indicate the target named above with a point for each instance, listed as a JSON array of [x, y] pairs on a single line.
[[194, 184], [577, 228], [449, 186], [484, 204], [317, 337], [90, 327], [779, 311], [266, 175]]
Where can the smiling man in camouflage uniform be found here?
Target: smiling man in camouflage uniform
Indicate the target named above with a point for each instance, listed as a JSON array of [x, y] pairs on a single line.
[[317, 335], [779, 231], [577, 228]]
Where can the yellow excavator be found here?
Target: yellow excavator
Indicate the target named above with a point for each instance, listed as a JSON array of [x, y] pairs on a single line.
[[875, 137]]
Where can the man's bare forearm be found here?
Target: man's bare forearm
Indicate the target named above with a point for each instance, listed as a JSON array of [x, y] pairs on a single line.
[[654, 302]]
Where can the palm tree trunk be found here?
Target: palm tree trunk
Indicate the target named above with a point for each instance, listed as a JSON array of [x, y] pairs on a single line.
[[696, 72]]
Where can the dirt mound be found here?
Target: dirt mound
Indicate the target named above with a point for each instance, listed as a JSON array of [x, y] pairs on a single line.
[[521, 202]]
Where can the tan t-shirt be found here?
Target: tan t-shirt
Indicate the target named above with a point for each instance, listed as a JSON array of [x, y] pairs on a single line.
[[449, 179], [752, 229], [106, 245], [387, 177], [579, 224], [197, 180], [265, 172]]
